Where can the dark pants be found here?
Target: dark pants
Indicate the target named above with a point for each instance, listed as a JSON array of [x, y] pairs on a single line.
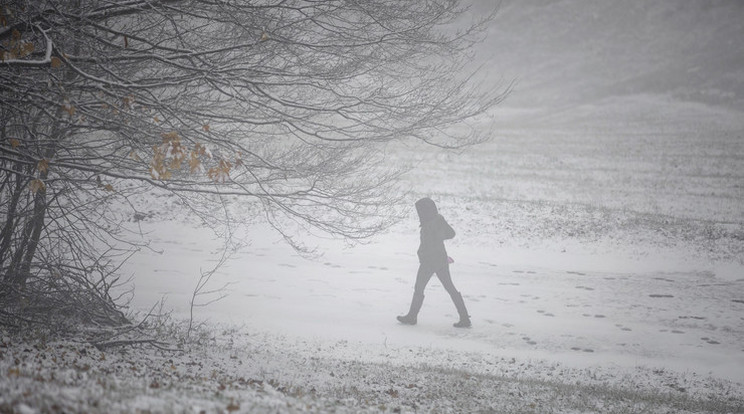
[[422, 279], [424, 275]]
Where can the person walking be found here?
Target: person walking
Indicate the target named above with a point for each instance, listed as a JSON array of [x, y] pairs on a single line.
[[433, 259]]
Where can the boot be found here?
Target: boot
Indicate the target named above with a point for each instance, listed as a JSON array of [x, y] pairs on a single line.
[[410, 318], [464, 321]]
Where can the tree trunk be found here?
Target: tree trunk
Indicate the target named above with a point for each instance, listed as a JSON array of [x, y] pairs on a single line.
[[35, 228], [6, 236]]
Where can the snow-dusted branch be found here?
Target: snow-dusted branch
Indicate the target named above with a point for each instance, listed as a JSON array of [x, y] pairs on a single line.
[[46, 61], [266, 111]]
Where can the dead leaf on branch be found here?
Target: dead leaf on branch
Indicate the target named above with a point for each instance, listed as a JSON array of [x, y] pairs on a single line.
[[56, 62], [221, 172], [232, 406], [36, 185], [69, 108], [42, 165], [127, 101], [194, 162], [25, 49], [172, 154]]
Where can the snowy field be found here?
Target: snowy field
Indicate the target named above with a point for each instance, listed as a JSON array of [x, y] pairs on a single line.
[[585, 255], [600, 252]]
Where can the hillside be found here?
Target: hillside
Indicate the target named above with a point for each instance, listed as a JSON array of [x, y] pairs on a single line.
[[570, 52]]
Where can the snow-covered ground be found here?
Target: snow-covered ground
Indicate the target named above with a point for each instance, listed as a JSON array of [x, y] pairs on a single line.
[[600, 242], [581, 248]]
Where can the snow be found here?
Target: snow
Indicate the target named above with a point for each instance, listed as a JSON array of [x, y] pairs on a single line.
[[600, 242], [579, 309]]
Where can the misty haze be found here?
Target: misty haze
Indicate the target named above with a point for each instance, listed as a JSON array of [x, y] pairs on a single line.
[[211, 207]]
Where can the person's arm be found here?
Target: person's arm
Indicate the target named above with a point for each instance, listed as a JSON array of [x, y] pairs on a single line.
[[447, 231]]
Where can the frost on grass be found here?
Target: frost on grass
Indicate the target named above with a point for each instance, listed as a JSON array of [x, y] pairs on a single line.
[[236, 371]]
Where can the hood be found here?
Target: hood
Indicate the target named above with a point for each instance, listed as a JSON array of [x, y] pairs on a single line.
[[426, 209]]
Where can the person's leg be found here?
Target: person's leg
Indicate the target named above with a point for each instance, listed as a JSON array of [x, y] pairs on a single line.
[[446, 278], [422, 278]]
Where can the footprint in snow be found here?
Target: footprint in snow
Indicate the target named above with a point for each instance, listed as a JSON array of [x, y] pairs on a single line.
[[545, 313], [737, 300], [656, 295], [663, 279], [710, 341], [529, 341], [584, 287], [571, 272]]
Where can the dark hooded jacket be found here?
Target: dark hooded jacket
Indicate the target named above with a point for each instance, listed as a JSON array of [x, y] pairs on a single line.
[[434, 231]]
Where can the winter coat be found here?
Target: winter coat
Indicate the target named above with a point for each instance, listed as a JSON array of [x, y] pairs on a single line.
[[434, 231]]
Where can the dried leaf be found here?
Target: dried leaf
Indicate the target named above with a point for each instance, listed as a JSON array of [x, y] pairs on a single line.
[[26, 49], [43, 165], [108, 187], [56, 62], [232, 406], [221, 172], [194, 162], [168, 137], [69, 108], [205, 127], [36, 185], [15, 143], [264, 37]]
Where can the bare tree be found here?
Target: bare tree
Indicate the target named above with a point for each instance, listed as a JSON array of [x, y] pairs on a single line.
[[278, 109]]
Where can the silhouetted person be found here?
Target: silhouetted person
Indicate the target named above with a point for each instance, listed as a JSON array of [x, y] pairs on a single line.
[[433, 259]]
